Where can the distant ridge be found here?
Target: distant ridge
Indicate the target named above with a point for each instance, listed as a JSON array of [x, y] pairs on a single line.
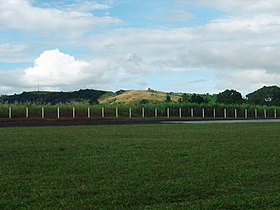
[[265, 96], [48, 97]]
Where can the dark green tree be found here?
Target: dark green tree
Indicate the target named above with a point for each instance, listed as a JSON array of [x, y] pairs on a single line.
[[229, 97], [185, 97], [197, 99], [269, 96], [168, 98]]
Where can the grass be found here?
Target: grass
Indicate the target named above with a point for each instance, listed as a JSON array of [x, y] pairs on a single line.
[[135, 96], [221, 166]]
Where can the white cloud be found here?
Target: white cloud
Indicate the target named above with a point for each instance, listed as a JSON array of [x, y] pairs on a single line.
[[10, 53], [180, 16], [20, 14], [245, 42], [252, 79], [244, 7], [77, 5], [56, 70], [229, 45], [9, 48]]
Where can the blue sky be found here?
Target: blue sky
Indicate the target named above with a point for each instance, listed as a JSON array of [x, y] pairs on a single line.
[[198, 46]]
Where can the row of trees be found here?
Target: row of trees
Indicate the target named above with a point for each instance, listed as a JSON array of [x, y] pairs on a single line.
[[269, 96], [42, 97]]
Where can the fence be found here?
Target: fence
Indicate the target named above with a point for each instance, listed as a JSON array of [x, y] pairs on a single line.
[[68, 112]]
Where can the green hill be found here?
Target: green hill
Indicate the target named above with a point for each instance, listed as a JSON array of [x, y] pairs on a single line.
[[45, 97]]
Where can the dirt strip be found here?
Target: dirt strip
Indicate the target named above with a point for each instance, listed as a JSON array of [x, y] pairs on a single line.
[[36, 123]]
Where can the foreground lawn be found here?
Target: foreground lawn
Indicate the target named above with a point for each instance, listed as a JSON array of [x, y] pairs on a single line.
[[221, 166]]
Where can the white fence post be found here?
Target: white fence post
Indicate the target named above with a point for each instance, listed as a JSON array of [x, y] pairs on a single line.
[[203, 113], [192, 115], [58, 113], [43, 113], [130, 112], [26, 113], [235, 113], [88, 112], [168, 112], [275, 113], [10, 112], [180, 112], [143, 112], [74, 112], [265, 114], [117, 112], [102, 112], [246, 113], [214, 113], [256, 113], [225, 113], [156, 112]]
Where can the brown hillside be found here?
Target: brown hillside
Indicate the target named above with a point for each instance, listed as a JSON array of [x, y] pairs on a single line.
[[136, 96]]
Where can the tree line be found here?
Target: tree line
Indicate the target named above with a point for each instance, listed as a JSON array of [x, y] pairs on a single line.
[[268, 96]]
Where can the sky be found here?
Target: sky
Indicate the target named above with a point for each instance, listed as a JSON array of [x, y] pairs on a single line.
[[194, 46]]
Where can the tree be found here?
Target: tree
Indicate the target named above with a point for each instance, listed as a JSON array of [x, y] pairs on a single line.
[[269, 96], [168, 98], [144, 101], [229, 97], [93, 101], [197, 99], [185, 97]]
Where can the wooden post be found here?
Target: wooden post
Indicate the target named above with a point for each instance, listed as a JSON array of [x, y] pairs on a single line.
[[102, 112], [168, 112], [143, 112], [203, 113], [43, 113], [235, 113], [275, 113], [10, 112], [214, 113], [192, 114], [225, 113], [265, 114], [246, 113], [130, 113], [256, 113], [58, 113], [26, 113], [88, 112], [156, 112], [117, 112], [74, 113], [180, 112]]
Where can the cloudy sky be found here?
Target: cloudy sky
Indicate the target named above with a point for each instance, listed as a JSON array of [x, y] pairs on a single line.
[[202, 46]]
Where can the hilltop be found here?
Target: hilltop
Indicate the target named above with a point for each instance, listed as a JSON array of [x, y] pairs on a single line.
[[139, 96]]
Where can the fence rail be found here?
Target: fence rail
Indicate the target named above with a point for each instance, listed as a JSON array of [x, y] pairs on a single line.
[[68, 112]]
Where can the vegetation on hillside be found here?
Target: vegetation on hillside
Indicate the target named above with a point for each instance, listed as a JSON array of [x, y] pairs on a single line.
[[266, 96], [42, 97], [269, 96]]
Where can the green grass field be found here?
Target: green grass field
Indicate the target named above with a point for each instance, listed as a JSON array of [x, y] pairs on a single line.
[[220, 166]]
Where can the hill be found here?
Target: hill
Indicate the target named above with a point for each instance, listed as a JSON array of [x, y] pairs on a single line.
[[45, 97], [139, 96]]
